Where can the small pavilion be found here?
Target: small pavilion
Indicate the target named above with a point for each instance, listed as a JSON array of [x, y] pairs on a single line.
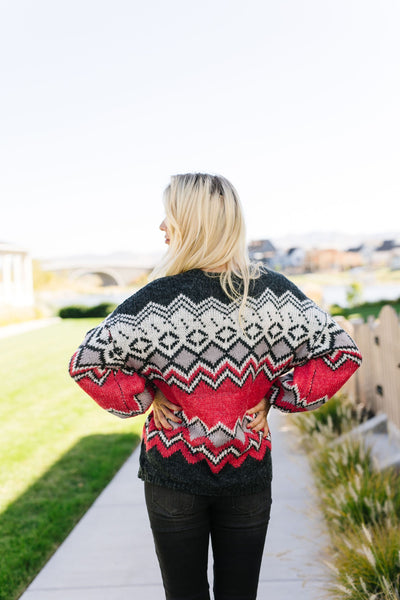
[[16, 285]]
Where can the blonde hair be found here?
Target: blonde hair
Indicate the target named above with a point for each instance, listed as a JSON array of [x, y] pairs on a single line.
[[207, 230]]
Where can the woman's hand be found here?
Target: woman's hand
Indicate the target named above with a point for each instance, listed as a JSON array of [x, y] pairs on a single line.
[[163, 409], [260, 421]]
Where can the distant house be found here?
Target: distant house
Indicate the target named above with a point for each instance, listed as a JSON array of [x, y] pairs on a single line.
[[294, 258], [387, 246], [358, 249], [385, 255], [321, 259], [395, 263], [361, 255], [262, 251], [16, 286], [325, 259]]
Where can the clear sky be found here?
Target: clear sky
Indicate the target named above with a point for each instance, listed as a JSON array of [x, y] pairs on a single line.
[[295, 101]]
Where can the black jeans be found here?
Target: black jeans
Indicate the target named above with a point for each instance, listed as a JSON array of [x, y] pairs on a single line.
[[182, 525]]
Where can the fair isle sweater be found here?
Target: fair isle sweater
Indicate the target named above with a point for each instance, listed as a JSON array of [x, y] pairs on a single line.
[[181, 334]]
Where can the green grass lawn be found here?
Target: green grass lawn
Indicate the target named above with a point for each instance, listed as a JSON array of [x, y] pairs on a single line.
[[58, 449]]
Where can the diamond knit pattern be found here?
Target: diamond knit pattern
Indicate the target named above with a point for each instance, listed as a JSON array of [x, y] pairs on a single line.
[[182, 335]]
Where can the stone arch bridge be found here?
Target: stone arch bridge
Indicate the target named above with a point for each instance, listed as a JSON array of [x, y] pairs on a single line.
[[110, 270]]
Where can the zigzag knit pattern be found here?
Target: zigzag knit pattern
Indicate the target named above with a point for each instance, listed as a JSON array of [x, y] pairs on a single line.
[[182, 335]]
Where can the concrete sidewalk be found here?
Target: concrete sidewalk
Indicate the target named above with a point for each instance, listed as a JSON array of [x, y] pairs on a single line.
[[18, 328], [110, 554]]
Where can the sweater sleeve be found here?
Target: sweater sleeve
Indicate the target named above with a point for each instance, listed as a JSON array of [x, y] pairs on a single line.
[[332, 358], [99, 367]]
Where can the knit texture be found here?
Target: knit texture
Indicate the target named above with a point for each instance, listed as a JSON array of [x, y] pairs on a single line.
[[181, 334]]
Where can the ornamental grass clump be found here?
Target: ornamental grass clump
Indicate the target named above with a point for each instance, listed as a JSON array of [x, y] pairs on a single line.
[[361, 506], [339, 463], [351, 491], [367, 563], [325, 424]]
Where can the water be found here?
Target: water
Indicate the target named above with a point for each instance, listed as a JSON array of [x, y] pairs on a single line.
[[336, 294]]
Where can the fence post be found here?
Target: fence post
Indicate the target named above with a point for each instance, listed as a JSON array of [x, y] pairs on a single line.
[[378, 378], [350, 387], [387, 340]]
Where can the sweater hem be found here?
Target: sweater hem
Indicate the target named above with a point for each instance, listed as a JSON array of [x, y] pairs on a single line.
[[252, 487]]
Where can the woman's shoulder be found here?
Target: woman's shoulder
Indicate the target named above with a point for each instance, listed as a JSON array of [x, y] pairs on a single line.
[[161, 291], [277, 283]]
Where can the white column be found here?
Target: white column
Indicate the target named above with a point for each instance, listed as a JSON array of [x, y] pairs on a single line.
[[7, 278], [1, 280], [18, 282], [28, 280]]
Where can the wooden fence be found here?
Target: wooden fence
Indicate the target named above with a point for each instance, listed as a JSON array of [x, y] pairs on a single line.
[[376, 384]]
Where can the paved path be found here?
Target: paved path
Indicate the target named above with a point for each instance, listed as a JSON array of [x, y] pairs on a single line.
[[110, 555], [17, 328]]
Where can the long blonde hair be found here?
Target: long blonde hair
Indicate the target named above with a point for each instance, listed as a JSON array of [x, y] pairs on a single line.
[[205, 220]]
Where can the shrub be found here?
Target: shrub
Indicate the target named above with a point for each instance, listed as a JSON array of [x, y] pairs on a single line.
[[85, 312], [367, 563], [361, 506], [352, 492]]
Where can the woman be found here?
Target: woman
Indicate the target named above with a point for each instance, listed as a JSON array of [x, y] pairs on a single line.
[[212, 340]]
